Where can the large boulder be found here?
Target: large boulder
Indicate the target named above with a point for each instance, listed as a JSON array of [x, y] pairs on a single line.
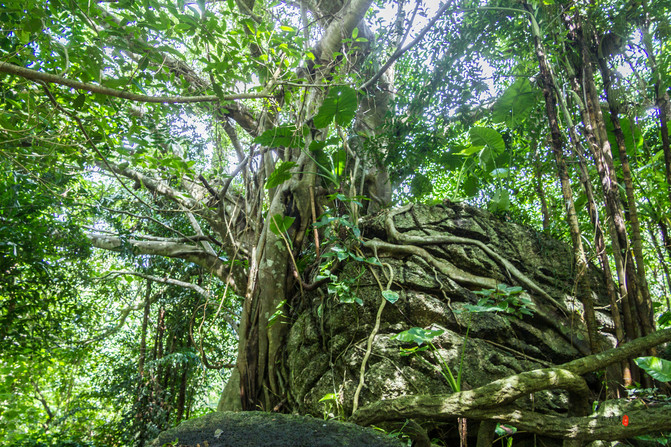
[[438, 258], [255, 428]]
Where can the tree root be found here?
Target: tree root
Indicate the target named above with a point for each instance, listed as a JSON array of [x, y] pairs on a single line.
[[373, 333], [467, 279], [396, 236], [493, 401]]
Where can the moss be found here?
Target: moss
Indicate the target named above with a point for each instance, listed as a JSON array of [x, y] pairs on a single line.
[[251, 429]]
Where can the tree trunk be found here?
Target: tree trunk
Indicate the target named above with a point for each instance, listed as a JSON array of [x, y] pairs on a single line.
[[540, 192], [273, 271], [637, 245], [548, 86], [599, 146], [661, 96]]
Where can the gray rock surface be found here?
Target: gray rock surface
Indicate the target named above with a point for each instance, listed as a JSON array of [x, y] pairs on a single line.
[[254, 429], [327, 341]]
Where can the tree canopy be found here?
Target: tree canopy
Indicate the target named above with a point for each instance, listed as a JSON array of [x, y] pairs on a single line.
[[176, 174]]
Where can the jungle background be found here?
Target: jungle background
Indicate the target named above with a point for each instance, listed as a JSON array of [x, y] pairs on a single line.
[[175, 174]]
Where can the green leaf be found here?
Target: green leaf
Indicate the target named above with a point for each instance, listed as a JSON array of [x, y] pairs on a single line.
[[327, 397], [280, 224], [471, 186], [633, 141], [659, 369], [500, 173], [470, 150], [504, 430], [421, 185], [33, 25], [79, 101], [390, 296], [340, 104], [500, 201], [418, 335], [339, 160], [286, 136], [514, 106], [485, 136], [280, 175]]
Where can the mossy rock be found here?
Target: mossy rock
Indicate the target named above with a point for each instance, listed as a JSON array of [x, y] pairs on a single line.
[[254, 428]]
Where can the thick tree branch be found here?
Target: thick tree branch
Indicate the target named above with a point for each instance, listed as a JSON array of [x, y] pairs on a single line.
[[156, 186], [642, 420], [228, 316], [341, 27], [495, 394], [601, 360], [34, 75], [167, 248]]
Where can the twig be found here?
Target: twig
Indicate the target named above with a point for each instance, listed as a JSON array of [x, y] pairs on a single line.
[[400, 51], [90, 142]]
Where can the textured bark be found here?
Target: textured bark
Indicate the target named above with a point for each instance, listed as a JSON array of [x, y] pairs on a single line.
[[273, 266], [603, 155], [645, 302], [540, 192], [599, 147], [548, 86], [439, 255]]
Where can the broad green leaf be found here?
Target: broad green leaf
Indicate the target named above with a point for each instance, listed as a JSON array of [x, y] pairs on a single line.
[[418, 335], [470, 150], [633, 141], [471, 186], [339, 160], [33, 25], [390, 296], [280, 175], [421, 185], [485, 136], [285, 136], [659, 369], [280, 224], [500, 201], [500, 173], [79, 101], [514, 106], [340, 104], [504, 430]]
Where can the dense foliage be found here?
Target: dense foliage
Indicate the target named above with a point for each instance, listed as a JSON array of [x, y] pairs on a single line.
[[159, 158]]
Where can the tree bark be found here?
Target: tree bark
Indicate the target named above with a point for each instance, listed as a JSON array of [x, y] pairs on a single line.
[[645, 302], [548, 86]]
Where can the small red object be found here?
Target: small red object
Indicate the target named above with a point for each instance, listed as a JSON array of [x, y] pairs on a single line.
[[625, 420]]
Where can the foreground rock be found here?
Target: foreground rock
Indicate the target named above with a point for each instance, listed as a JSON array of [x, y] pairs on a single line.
[[252, 429], [436, 259]]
